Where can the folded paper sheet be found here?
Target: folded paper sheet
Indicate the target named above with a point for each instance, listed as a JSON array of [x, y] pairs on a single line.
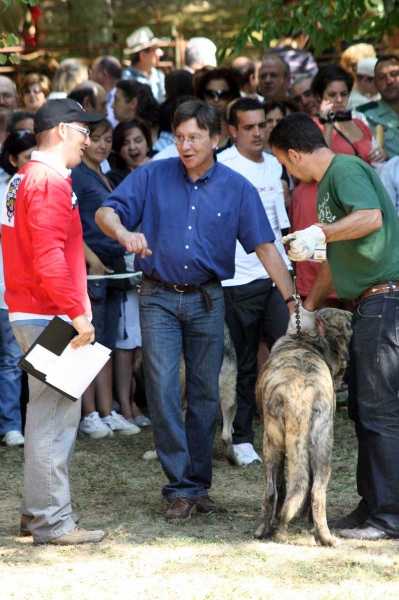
[[52, 360], [74, 370]]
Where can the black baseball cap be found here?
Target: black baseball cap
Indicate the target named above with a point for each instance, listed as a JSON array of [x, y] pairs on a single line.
[[63, 110]]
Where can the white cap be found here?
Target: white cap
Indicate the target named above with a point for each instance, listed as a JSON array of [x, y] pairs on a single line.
[[366, 67]]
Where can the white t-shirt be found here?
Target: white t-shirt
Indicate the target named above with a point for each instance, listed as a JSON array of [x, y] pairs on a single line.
[[266, 177], [168, 152]]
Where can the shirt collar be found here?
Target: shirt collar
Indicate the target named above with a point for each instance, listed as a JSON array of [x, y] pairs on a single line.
[[386, 109], [51, 160], [204, 178]]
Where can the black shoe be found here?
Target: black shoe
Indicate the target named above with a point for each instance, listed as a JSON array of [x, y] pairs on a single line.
[[349, 522], [364, 533]]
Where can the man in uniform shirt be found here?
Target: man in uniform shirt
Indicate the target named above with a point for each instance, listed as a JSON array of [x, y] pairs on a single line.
[[385, 112], [361, 228], [192, 209]]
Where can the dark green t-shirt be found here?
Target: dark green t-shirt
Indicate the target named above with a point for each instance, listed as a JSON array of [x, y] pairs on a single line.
[[349, 184]]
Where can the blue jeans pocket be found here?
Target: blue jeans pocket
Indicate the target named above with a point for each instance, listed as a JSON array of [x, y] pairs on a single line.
[[97, 290], [372, 308], [148, 288]]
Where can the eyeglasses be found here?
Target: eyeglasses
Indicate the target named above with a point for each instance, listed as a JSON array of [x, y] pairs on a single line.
[[213, 94], [81, 129], [33, 90], [193, 140]]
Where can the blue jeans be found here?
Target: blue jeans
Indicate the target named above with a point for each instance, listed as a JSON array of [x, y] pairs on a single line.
[[171, 323], [106, 306], [374, 407], [10, 378]]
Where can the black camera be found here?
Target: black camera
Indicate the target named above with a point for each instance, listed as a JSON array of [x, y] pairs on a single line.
[[339, 115]]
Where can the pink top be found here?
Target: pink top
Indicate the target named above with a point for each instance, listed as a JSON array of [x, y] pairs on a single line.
[[363, 146]]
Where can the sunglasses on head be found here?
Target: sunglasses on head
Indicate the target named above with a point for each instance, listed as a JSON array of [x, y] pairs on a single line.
[[35, 90], [213, 94]]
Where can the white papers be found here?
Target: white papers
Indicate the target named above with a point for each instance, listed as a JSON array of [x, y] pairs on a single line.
[[42, 359], [74, 370]]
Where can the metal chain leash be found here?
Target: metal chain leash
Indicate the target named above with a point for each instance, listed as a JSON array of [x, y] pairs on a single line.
[[297, 317]]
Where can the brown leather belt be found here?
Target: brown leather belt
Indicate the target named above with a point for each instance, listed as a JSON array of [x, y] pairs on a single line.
[[186, 289], [379, 288]]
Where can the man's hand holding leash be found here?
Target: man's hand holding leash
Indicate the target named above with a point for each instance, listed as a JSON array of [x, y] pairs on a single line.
[[303, 243]]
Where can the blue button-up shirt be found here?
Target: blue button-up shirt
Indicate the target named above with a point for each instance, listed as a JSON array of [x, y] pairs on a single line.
[[156, 80], [191, 227]]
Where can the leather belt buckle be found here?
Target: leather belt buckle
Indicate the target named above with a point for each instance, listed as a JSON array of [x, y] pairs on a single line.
[[175, 287]]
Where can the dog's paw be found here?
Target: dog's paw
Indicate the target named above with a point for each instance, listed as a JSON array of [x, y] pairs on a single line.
[[150, 455], [330, 541], [262, 532]]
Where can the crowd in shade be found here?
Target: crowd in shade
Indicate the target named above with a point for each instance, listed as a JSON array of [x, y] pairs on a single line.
[[355, 105]]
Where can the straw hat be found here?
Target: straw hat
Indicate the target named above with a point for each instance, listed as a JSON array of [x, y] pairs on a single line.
[[141, 39]]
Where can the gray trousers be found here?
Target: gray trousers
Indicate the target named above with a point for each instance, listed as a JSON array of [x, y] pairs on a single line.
[[50, 433]]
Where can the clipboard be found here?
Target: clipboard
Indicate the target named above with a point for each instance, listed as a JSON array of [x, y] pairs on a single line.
[[51, 360]]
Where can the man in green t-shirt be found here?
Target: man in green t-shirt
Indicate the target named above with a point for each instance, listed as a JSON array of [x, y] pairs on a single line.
[[358, 222]]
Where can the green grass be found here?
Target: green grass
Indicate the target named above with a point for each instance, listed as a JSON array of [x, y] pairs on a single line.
[[209, 557]]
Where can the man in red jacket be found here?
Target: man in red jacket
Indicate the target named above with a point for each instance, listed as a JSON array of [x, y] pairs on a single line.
[[45, 275]]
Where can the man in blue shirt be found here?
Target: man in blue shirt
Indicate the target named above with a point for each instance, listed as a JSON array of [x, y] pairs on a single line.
[[192, 210]]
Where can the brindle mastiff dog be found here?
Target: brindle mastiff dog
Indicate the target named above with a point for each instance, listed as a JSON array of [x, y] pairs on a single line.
[[295, 394]]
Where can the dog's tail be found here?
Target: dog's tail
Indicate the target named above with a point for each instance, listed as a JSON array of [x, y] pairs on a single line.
[[296, 443]]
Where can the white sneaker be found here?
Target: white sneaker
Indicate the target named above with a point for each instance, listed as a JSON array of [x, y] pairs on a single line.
[[246, 454], [120, 424], [13, 438], [94, 427]]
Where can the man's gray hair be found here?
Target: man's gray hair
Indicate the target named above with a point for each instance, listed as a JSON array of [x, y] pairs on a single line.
[[200, 49], [13, 84], [302, 77]]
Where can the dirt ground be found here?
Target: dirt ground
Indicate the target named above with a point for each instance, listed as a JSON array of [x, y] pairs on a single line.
[[209, 557]]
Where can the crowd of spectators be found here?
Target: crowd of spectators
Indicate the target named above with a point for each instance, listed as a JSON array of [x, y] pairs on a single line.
[[349, 104]]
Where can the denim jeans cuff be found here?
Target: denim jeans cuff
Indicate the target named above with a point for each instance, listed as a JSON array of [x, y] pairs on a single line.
[[175, 495]]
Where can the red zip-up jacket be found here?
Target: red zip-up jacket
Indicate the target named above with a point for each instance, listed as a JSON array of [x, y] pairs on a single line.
[[44, 264]]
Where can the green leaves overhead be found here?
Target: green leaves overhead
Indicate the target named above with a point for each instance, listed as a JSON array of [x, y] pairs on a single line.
[[326, 22]]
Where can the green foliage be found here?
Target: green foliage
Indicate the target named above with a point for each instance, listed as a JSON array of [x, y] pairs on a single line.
[[10, 39], [29, 2], [326, 22]]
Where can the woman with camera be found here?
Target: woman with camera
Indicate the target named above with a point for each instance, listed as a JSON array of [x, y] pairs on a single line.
[[343, 132]]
